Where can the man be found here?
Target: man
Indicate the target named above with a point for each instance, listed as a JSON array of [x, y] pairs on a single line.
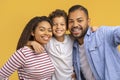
[[95, 54]]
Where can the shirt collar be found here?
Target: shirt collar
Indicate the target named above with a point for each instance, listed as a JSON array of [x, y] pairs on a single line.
[[76, 44], [65, 40]]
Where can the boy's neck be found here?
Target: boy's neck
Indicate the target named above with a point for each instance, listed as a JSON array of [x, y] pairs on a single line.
[[60, 39]]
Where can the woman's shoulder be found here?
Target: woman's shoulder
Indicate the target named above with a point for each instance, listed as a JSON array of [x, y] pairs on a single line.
[[25, 50]]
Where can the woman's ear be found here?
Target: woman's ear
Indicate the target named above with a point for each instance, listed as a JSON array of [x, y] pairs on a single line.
[[32, 33]]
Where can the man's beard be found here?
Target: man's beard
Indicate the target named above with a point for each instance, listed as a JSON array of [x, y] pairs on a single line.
[[83, 32]]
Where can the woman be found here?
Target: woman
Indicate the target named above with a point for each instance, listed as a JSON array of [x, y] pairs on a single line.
[[30, 65]]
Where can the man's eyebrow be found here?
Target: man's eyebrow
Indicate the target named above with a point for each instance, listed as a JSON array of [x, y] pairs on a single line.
[[70, 19]]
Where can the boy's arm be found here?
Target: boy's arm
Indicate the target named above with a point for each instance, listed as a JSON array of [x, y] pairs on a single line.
[[36, 46]]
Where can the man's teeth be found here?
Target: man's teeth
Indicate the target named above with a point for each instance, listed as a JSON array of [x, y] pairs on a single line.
[[76, 29]]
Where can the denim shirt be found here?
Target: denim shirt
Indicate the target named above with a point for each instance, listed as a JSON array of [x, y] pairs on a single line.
[[102, 53]]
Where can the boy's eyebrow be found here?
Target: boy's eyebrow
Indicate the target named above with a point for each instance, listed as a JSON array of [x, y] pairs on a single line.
[[79, 18]]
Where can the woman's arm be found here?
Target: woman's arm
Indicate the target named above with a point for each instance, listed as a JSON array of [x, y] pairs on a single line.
[[16, 61]]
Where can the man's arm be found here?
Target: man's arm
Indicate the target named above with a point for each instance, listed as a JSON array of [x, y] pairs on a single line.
[[110, 33], [117, 36]]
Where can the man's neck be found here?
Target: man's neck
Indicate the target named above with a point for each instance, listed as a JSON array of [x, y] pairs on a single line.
[[81, 41]]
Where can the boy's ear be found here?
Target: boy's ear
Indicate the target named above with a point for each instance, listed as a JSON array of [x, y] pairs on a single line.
[[32, 33]]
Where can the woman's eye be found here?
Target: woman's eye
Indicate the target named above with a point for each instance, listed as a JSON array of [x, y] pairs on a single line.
[[41, 29], [50, 30]]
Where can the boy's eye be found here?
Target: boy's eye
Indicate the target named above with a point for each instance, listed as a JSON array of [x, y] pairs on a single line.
[[62, 24], [54, 24]]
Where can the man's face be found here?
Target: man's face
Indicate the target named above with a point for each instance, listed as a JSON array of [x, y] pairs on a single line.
[[78, 23]]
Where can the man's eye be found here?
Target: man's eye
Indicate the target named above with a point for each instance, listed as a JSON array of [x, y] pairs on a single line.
[[70, 21], [80, 20]]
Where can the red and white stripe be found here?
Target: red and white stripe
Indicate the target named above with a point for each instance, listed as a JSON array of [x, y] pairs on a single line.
[[30, 65]]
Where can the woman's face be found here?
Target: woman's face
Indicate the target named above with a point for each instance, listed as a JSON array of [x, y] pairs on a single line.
[[43, 32]]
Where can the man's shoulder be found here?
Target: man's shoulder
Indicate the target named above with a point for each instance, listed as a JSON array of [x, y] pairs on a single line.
[[108, 27], [103, 29]]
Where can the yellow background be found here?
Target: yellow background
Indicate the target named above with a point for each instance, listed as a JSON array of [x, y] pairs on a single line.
[[14, 14]]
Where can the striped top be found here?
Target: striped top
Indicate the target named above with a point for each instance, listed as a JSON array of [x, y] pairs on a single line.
[[30, 65]]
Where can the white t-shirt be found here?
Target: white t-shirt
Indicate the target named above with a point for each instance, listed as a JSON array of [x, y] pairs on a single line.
[[61, 56], [84, 65]]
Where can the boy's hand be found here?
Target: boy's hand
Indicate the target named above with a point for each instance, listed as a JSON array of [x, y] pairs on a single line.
[[94, 28], [73, 76], [37, 47]]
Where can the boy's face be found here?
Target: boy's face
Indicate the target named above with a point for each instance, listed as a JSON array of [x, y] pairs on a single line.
[[59, 26]]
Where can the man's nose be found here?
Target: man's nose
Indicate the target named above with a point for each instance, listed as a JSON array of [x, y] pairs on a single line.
[[75, 24]]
